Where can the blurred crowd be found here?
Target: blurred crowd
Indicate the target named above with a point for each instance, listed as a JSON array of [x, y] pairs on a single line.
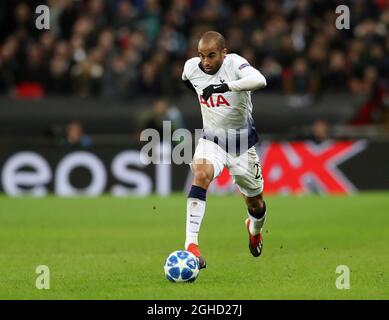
[[131, 48]]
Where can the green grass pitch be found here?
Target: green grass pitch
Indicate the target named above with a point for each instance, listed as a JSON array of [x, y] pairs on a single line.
[[114, 248]]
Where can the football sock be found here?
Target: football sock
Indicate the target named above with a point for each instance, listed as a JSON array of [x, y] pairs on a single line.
[[195, 209], [257, 219]]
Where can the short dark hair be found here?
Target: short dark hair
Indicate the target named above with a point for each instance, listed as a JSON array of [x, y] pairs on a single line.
[[217, 37]]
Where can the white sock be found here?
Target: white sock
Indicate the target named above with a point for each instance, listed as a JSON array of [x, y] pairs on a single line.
[[195, 209], [256, 224]]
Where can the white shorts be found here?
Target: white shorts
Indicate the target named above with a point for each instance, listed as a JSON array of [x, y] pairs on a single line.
[[245, 169]]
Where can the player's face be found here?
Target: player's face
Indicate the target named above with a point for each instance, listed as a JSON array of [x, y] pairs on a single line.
[[211, 57]]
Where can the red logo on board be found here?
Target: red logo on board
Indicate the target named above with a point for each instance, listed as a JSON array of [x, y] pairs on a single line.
[[296, 167]]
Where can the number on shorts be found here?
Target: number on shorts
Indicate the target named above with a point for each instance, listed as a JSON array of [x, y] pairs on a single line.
[[257, 173]]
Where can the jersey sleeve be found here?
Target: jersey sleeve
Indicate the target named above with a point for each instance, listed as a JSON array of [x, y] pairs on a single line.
[[188, 69], [249, 78], [184, 77]]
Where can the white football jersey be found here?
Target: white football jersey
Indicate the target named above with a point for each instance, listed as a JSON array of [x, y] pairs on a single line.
[[232, 109]]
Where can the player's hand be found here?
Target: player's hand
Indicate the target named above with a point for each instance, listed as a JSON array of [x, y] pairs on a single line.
[[214, 88]]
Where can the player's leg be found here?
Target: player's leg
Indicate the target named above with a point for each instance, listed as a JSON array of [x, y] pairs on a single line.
[[203, 174], [195, 208], [256, 210], [247, 175], [207, 164]]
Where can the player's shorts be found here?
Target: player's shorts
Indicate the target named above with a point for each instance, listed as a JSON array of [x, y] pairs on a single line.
[[245, 169]]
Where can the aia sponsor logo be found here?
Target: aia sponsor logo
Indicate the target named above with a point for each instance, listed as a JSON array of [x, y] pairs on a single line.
[[214, 102]]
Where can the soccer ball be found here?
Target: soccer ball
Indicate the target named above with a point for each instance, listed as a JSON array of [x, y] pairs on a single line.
[[181, 266]]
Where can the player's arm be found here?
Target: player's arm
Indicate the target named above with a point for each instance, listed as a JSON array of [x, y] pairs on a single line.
[[189, 85], [187, 82], [249, 78]]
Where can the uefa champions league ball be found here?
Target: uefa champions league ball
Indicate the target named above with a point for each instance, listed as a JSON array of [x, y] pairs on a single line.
[[181, 266]]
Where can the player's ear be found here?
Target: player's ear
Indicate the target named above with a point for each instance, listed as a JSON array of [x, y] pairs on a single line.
[[224, 52]]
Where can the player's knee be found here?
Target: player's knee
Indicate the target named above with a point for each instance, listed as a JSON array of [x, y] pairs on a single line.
[[257, 208], [256, 203], [202, 178]]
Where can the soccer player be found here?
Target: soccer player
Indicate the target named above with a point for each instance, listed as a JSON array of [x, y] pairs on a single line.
[[223, 83]]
